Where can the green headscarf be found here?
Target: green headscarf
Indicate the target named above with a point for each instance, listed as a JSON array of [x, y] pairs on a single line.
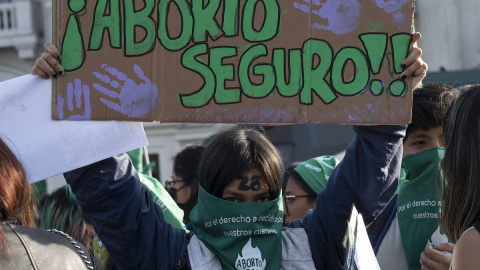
[[316, 171]]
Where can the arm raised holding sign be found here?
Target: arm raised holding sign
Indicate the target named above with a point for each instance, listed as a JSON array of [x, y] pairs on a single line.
[[238, 218]]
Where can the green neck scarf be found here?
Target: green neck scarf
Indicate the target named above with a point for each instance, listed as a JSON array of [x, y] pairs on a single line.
[[242, 235], [418, 204]]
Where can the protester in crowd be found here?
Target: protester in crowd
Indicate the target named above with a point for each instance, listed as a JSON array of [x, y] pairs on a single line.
[[460, 211], [24, 247], [60, 211], [409, 224], [302, 185], [183, 187], [239, 206]]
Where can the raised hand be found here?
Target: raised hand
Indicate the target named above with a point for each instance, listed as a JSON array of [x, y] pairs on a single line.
[[75, 92], [414, 64], [129, 98], [48, 65], [343, 15]]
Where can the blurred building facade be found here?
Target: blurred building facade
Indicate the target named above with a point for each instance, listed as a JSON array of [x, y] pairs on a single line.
[[451, 39]]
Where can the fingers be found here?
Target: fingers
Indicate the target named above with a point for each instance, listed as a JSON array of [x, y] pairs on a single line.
[[52, 50], [434, 259], [425, 268], [138, 70], [414, 64], [70, 96], [105, 91], [427, 263], [416, 37], [39, 72], [52, 56], [115, 72], [47, 64], [106, 79], [412, 57], [86, 95], [78, 93], [111, 105], [60, 102], [448, 247]]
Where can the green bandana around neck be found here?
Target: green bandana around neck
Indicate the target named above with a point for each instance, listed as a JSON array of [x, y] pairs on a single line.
[[418, 204], [316, 171], [243, 235]]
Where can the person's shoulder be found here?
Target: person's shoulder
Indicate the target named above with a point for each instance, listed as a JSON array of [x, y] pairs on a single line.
[[53, 248], [467, 250]]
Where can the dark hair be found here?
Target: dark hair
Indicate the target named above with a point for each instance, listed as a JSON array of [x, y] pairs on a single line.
[[16, 198], [295, 176], [461, 195], [430, 103], [61, 211], [234, 151], [185, 163], [286, 174]]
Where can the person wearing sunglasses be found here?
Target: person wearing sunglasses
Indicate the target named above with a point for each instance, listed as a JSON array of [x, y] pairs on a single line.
[[183, 187], [302, 185]]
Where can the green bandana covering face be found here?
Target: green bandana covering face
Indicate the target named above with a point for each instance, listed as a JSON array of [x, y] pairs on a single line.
[[316, 171], [418, 204], [243, 235]]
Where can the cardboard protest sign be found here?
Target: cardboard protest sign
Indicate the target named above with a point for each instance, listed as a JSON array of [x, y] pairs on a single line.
[[235, 61]]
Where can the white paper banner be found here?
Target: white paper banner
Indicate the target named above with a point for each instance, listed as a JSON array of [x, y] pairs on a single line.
[[47, 147]]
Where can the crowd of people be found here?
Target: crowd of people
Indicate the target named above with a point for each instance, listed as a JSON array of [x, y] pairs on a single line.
[[416, 186]]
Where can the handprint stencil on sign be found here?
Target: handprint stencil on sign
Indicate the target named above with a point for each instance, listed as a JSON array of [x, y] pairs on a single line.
[[394, 7], [75, 91], [129, 98], [343, 16]]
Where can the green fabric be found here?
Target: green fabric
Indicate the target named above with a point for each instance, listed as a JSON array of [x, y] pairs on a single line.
[[418, 204], [402, 180], [243, 235], [136, 156], [316, 171], [171, 212], [39, 189]]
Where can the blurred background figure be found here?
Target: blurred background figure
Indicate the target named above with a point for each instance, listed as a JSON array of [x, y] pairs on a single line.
[[302, 185], [60, 211], [183, 187]]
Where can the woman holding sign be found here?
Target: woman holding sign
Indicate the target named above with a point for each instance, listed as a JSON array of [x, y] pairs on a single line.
[[238, 218]]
